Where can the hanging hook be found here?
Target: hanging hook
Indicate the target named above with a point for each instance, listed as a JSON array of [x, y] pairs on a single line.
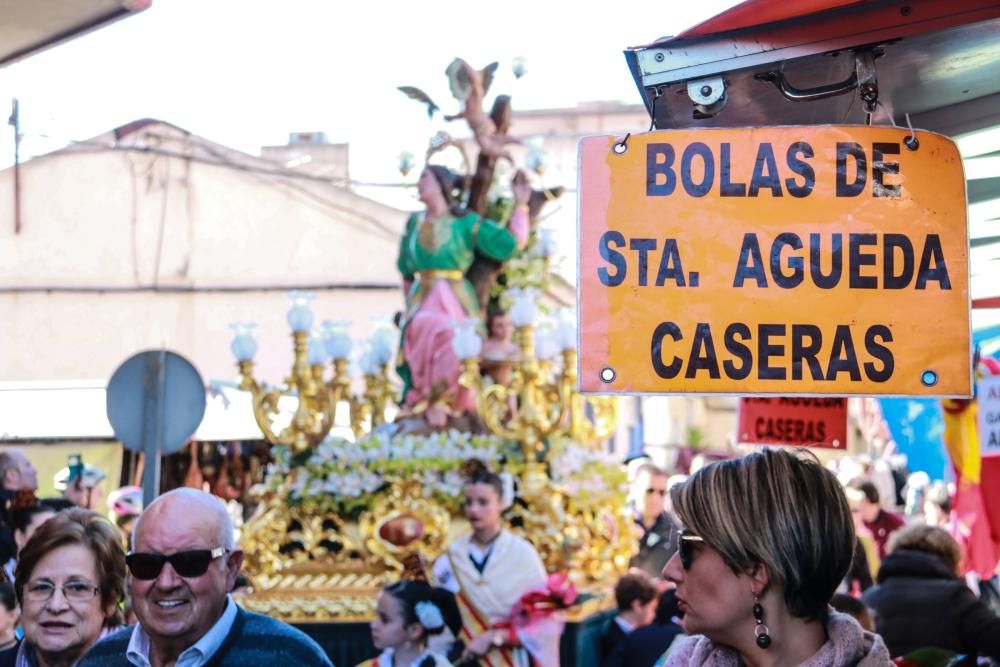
[[619, 147], [911, 141], [657, 92]]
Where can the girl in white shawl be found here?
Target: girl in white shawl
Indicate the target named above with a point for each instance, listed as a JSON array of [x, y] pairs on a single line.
[[489, 570]]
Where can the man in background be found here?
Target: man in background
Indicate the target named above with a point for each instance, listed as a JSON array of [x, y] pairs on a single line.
[[654, 525], [879, 522]]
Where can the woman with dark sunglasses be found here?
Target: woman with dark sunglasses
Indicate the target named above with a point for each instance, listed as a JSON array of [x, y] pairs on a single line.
[[767, 539], [70, 578]]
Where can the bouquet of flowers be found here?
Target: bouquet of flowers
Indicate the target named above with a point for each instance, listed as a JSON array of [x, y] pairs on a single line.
[[559, 593]]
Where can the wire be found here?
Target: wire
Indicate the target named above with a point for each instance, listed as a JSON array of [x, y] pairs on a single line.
[[224, 162]]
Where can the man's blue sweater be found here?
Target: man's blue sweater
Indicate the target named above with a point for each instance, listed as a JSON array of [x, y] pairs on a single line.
[[253, 640]]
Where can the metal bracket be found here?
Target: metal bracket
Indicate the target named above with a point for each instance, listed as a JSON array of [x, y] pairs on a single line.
[[709, 95], [863, 78]]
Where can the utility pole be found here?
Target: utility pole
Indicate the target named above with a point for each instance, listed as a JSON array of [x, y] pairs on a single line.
[[15, 122]]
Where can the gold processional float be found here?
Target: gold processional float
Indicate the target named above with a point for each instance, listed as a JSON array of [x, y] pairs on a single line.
[[340, 516]]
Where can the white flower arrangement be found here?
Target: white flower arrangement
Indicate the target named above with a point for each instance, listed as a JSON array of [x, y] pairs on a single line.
[[340, 473], [590, 477]]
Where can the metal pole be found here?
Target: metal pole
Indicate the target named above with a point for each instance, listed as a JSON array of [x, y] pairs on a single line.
[[154, 404], [15, 121]]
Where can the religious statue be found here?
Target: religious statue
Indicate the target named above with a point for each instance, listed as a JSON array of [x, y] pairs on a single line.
[[499, 352], [470, 86], [437, 248]]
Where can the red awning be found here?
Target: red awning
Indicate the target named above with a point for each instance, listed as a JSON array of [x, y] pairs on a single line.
[[758, 12]]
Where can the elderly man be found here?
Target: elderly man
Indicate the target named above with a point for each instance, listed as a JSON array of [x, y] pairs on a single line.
[[182, 568], [17, 475], [16, 471]]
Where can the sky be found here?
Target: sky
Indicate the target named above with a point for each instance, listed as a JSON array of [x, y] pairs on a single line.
[[245, 73]]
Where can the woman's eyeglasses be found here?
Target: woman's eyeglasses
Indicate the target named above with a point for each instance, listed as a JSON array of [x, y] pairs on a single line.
[[192, 563], [73, 591], [685, 547]]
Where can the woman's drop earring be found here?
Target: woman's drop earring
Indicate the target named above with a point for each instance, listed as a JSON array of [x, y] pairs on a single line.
[[760, 631]]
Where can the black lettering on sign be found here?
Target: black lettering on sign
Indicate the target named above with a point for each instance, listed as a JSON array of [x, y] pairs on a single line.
[[843, 357], [665, 371], [759, 429], [660, 162], [880, 352], [702, 353], [750, 252], [698, 149], [726, 187], [894, 242], [765, 350], [738, 350], [880, 168], [643, 246], [616, 259], [782, 279], [802, 352], [830, 280], [670, 265], [856, 185], [933, 253], [858, 259], [800, 167], [765, 172]]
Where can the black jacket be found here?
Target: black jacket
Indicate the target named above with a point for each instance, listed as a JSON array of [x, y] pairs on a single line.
[[643, 646], [656, 547], [610, 640], [8, 656], [919, 602]]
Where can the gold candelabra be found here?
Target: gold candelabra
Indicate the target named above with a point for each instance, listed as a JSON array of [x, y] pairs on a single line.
[[318, 399], [536, 404]]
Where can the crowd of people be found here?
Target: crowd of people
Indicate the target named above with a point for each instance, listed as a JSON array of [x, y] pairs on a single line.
[[773, 558], [748, 561]]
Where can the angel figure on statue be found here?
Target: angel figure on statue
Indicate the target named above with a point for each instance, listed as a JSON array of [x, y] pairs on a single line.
[[437, 248], [469, 86]]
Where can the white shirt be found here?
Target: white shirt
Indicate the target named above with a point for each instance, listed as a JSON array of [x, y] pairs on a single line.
[[624, 625], [444, 575], [195, 655], [386, 658]]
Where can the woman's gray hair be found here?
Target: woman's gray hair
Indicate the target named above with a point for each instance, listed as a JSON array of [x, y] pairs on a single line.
[[780, 508]]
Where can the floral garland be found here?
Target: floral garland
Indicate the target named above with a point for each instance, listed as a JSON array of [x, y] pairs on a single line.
[[591, 478], [345, 477]]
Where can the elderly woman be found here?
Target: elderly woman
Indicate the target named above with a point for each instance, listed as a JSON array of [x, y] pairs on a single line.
[[920, 600], [70, 579], [766, 540]]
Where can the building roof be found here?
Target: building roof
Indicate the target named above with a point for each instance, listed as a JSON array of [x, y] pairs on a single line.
[[33, 26]]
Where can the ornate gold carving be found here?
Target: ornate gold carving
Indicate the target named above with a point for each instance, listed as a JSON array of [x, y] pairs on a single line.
[[405, 498]]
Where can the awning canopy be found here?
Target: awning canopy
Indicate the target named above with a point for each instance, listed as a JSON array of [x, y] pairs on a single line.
[[32, 26], [78, 410]]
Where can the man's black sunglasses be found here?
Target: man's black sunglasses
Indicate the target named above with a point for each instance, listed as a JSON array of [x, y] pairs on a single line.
[[193, 563], [685, 548]]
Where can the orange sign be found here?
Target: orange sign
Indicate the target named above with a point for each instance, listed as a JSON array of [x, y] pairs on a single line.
[[799, 422], [790, 260]]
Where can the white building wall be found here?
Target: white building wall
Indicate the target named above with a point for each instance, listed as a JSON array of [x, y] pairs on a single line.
[[122, 251]]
